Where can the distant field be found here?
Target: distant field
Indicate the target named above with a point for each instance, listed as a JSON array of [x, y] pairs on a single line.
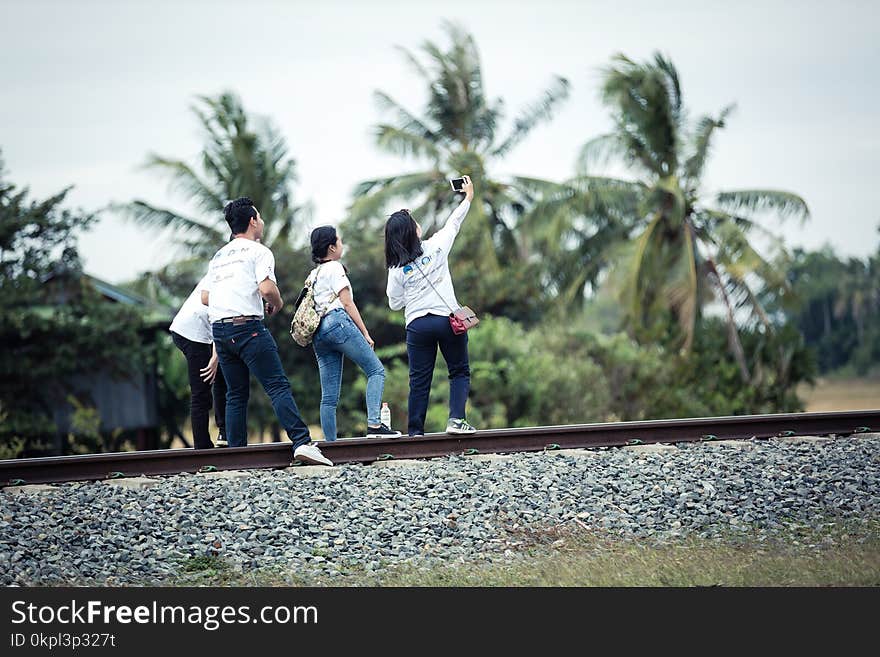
[[841, 395]]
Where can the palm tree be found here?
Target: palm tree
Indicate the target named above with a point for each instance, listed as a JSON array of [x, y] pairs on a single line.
[[857, 294], [241, 157], [457, 133], [682, 251]]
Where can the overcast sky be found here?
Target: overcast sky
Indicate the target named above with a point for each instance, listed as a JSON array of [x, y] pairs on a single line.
[[89, 88]]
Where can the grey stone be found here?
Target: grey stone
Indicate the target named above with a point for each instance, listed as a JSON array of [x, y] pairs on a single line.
[[654, 448], [399, 463], [491, 458], [449, 510], [579, 453], [30, 489], [226, 474], [804, 439], [735, 444], [313, 471], [136, 483]]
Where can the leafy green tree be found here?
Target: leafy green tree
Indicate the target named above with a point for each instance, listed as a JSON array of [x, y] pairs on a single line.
[[49, 339], [838, 308], [459, 132], [683, 252]]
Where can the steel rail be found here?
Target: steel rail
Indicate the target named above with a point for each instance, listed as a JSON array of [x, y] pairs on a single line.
[[55, 469]]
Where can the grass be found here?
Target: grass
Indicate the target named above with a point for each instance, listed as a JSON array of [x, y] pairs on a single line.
[[841, 394], [840, 555], [210, 566]]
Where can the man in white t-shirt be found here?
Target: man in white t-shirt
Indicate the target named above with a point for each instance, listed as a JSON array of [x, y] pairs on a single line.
[[241, 275]]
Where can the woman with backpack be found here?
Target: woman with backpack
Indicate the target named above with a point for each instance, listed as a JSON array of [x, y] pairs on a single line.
[[342, 333], [419, 281]]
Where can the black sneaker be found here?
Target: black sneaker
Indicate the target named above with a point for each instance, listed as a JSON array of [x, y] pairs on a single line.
[[382, 431], [221, 441]]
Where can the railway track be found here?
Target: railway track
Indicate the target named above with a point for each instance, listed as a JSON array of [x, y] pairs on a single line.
[[56, 469]]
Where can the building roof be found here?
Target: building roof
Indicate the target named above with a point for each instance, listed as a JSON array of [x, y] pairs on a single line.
[[154, 313]]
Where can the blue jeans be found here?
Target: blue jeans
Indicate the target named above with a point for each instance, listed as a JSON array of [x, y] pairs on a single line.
[[247, 349], [337, 336], [423, 336]]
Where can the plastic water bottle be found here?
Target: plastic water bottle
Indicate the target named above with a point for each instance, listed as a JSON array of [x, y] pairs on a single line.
[[385, 415]]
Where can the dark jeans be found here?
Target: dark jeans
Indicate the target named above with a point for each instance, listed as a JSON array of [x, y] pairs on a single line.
[[197, 356], [423, 336], [246, 349]]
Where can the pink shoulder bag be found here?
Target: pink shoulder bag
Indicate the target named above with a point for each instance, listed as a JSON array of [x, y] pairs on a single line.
[[461, 320]]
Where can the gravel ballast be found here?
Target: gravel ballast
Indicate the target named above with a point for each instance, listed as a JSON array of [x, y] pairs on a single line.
[[451, 509]]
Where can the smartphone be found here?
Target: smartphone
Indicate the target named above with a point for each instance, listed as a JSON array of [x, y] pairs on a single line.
[[457, 184]]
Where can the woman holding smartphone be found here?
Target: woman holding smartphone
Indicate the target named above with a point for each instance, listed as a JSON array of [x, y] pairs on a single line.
[[342, 333], [420, 282]]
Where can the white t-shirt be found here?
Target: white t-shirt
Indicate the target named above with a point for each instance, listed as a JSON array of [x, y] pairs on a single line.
[[407, 286], [191, 321], [331, 280], [234, 277]]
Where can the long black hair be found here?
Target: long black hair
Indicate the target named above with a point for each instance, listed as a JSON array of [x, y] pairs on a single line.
[[322, 238], [402, 243]]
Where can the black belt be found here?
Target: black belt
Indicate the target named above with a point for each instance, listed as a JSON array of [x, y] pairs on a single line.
[[241, 319]]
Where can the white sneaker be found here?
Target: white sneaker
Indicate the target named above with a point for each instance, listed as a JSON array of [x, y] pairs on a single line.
[[310, 454], [459, 426]]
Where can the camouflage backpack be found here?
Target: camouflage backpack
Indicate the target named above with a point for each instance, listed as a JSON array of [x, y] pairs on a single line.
[[306, 317]]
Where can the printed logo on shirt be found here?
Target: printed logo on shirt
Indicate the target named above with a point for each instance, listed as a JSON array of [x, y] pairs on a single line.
[[424, 261]]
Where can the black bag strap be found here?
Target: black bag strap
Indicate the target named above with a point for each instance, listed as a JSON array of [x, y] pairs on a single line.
[[305, 289]]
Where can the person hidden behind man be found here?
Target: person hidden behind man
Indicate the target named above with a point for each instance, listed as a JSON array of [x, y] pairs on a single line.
[[191, 333]]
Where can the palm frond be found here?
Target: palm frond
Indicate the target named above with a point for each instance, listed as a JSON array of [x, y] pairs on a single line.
[[536, 186], [646, 102], [401, 142], [599, 152], [417, 66], [785, 204], [188, 181], [672, 85], [286, 228], [609, 196], [534, 114], [751, 297], [372, 196], [149, 216], [405, 119], [701, 142]]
